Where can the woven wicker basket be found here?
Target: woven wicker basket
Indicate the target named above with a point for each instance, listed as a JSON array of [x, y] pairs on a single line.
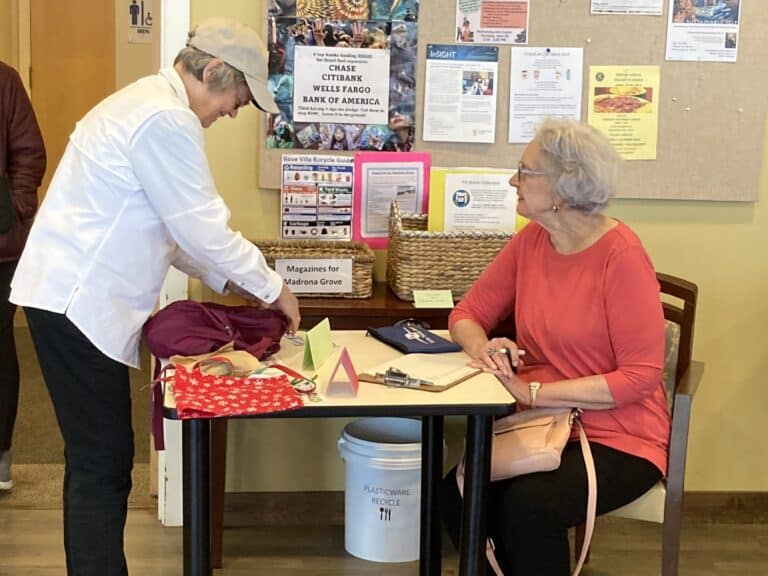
[[361, 255], [421, 260]]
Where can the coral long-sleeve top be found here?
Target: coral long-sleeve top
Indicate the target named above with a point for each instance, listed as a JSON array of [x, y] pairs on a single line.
[[593, 312]]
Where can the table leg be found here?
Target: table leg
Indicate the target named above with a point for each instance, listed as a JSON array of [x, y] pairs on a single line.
[[431, 474], [218, 483], [197, 497], [476, 478]]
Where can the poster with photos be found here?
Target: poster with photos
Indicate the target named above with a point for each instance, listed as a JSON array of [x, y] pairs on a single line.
[[347, 103], [703, 30]]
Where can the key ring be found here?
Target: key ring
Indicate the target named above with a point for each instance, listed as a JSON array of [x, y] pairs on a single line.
[[303, 385], [299, 382]]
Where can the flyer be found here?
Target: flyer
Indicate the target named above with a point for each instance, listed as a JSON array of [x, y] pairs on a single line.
[[381, 178], [492, 21], [460, 93], [624, 105], [633, 7], [544, 82], [343, 74], [341, 85], [463, 199], [316, 197], [479, 202], [703, 30]]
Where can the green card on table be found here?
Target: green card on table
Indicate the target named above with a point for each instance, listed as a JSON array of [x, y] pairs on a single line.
[[318, 345]]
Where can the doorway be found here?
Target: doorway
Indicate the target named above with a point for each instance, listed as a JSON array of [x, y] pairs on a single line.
[[72, 56]]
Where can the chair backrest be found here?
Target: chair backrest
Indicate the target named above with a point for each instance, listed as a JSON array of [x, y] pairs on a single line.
[[687, 377], [682, 313]]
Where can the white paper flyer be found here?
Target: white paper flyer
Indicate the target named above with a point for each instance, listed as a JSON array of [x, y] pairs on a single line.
[[543, 82], [460, 93], [703, 31]]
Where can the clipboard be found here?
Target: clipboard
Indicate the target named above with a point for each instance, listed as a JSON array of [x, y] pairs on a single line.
[[442, 370]]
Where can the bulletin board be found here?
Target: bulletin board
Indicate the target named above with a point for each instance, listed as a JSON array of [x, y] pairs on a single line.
[[712, 116]]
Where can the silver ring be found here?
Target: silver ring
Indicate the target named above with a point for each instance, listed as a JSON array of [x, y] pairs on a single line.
[[491, 351]]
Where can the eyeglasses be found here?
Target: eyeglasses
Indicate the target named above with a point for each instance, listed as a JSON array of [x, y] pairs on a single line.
[[523, 171]]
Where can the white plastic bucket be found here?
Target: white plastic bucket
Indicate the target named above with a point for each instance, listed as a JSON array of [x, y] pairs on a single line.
[[383, 483]]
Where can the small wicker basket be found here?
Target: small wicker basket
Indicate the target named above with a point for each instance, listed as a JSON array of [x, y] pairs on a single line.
[[361, 255], [421, 260]]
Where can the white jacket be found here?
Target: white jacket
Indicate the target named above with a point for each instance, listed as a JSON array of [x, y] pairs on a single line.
[[132, 195]]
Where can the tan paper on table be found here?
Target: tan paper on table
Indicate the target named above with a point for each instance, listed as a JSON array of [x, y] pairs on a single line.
[[442, 370]]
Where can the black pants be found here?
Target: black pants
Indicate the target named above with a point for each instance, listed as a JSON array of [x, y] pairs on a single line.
[[529, 516], [9, 363], [92, 399]]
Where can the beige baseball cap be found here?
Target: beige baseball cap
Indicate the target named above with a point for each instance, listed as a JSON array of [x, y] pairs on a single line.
[[240, 47]]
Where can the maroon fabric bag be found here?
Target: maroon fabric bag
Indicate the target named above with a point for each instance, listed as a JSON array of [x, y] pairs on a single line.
[[189, 328]]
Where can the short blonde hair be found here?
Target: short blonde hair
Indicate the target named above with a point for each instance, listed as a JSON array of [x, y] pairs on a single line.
[[583, 160]]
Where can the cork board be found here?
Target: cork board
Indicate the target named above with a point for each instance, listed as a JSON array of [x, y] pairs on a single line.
[[712, 116]]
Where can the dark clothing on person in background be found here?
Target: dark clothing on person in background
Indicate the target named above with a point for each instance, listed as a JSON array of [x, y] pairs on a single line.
[[9, 364], [22, 158], [22, 163]]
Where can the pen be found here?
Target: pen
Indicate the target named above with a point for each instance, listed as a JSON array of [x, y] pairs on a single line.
[[508, 353]]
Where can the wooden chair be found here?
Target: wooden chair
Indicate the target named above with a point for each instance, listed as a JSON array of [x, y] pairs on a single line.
[[664, 502]]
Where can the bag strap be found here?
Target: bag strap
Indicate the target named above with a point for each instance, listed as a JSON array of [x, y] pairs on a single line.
[[589, 464], [157, 402]]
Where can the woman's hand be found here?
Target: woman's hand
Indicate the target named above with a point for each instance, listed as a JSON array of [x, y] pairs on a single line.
[[517, 387], [288, 304], [498, 356]]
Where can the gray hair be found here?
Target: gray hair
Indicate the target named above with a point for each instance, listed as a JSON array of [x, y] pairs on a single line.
[[583, 160], [194, 61]]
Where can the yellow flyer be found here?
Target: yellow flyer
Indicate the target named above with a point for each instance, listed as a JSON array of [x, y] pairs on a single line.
[[624, 105]]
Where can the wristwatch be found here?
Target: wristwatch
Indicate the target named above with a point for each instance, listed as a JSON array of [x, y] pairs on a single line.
[[533, 388]]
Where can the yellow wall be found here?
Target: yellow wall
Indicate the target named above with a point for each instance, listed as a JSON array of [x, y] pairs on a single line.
[[719, 246]]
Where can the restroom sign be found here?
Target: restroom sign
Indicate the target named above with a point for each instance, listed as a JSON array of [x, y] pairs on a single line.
[[140, 20]]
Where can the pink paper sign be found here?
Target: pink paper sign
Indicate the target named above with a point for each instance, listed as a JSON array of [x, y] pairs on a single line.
[[339, 384]]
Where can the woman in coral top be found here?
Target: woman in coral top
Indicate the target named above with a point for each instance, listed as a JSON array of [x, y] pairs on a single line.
[[590, 334]]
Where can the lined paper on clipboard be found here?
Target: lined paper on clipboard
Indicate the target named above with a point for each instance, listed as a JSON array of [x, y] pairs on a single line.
[[441, 370]]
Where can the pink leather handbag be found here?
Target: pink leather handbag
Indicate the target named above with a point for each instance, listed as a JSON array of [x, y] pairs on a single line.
[[530, 441]]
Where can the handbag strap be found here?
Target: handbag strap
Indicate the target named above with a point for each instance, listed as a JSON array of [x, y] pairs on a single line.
[[589, 464]]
